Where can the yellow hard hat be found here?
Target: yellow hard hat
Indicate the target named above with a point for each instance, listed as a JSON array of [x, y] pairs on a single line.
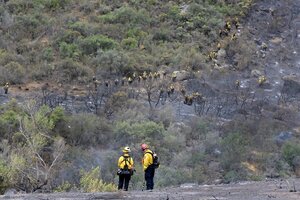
[[126, 150]]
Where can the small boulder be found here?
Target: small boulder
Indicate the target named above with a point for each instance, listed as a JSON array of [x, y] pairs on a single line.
[[283, 137], [291, 85], [182, 75], [256, 73]]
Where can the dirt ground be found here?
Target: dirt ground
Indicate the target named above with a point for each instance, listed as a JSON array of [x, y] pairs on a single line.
[[262, 190]]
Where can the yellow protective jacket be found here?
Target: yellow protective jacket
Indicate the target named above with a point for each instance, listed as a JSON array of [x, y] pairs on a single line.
[[147, 159], [122, 161]]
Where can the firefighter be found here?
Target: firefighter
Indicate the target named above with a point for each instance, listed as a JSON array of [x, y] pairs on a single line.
[[261, 80], [174, 76], [237, 84], [6, 86]]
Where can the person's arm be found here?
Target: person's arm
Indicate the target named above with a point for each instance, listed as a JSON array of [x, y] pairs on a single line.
[[132, 162], [120, 161], [147, 160]]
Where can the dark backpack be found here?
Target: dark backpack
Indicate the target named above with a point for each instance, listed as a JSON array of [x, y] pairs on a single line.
[[155, 163], [126, 160], [125, 170]]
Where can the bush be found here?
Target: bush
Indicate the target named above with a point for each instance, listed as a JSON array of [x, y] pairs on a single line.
[[147, 131], [4, 176], [69, 50], [86, 130], [13, 72], [167, 176], [233, 148], [290, 151], [64, 187], [69, 70], [127, 15], [91, 181], [56, 4], [112, 62], [129, 43], [48, 54], [82, 28], [91, 44]]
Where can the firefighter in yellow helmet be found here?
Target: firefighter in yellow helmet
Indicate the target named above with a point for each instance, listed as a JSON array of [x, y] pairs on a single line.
[[227, 26], [126, 169], [261, 80], [130, 80], [236, 23], [6, 86]]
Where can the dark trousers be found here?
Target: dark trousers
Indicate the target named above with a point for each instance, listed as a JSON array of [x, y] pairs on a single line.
[[124, 178], [149, 176]]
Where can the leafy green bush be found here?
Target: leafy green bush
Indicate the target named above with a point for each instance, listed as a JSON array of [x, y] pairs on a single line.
[[56, 4], [82, 28], [13, 72], [91, 181], [8, 124], [19, 6], [68, 36], [233, 176], [129, 43], [147, 131], [112, 61], [70, 70], [69, 50], [64, 187], [233, 148], [290, 151], [5, 172], [48, 54], [167, 176], [91, 44], [127, 15], [86, 130]]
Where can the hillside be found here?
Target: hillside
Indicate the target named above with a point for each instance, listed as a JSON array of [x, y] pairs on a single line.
[[212, 86]]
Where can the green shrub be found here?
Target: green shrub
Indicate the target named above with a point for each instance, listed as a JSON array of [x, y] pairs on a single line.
[[69, 50], [4, 176], [91, 44], [91, 181], [290, 151], [161, 35], [48, 54], [112, 61], [233, 148], [233, 176], [167, 176], [56, 4], [19, 6], [13, 72], [127, 15], [8, 124], [68, 36], [64, 187], [83, 28], [174, 13], [147, 131], [29, 26], [86, 130], [129, 43], [69, 70]]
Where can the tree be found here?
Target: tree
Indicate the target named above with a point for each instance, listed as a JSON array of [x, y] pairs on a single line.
[[38, 152]]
